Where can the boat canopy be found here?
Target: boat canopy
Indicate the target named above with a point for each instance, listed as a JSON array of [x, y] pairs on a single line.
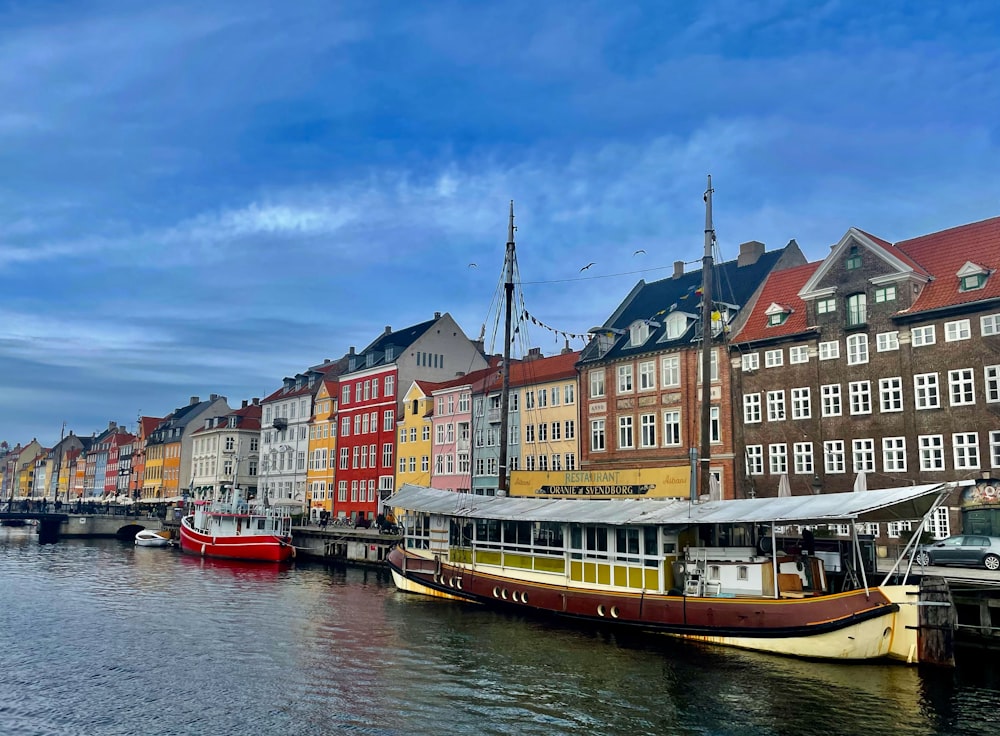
[[908, 503]]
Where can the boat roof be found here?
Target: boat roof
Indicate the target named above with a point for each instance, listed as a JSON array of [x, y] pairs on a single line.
[[907, 503]]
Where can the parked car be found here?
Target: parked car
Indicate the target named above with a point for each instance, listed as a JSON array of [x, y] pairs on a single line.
[[965, 549]]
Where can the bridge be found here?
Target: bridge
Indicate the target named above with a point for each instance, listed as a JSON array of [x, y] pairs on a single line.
[[53, 526]]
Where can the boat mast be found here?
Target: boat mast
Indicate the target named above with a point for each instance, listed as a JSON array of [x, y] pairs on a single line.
[[508, 288], [706, 345]]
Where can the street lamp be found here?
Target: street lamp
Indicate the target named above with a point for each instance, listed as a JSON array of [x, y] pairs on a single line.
[[817, 484]]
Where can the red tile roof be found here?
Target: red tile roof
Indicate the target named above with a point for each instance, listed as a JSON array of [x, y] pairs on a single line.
[[944, 253], [539, 370], [782, 287]]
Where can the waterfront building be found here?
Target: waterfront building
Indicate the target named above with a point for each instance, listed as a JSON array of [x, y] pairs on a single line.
[[321, 470], [371, 399], [640, 374], [169, 447], [413, 435], [137, 481], [287, 413], [119, 462], [58, 485], [225, 452], [878, 366]]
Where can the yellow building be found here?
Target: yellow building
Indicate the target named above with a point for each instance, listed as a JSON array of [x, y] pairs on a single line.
[[547, 398], [413, 438], [152, 481], [321, 469]]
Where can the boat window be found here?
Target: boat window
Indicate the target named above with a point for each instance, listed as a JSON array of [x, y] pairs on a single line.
[[517, 532], [418, 531], [597, 539], [487, 530], [627, 544], [548, 534], [460, 533]]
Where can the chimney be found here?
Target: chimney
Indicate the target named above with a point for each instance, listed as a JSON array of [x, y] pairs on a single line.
[[437, 315], [678, 269], [566, 348], [533, 354], [213, 397], [256, 401], [244, 404], [750, 253], [194, 400], [388, 330]]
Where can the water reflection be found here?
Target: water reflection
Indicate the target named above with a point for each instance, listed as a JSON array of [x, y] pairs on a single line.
[[98, 636]]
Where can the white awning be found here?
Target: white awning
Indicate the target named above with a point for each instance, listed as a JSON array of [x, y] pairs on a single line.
[[907, 503]]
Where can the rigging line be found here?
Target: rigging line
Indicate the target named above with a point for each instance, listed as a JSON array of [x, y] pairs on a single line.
[[592, 278]]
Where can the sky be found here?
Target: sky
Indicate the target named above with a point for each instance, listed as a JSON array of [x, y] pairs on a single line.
[[203, 198]]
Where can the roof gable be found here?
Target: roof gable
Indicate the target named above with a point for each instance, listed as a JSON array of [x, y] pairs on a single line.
[[780, 290]]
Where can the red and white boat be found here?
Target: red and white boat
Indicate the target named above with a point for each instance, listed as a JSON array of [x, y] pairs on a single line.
[[239, 530]]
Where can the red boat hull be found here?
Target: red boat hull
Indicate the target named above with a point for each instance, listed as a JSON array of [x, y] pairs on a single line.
[[250, 547]]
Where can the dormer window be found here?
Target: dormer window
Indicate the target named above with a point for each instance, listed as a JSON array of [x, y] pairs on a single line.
[[638, 333], [972, 276], [676, 325], [853, 258], [777, 314]]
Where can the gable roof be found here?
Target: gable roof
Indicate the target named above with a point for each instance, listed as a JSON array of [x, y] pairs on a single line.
[[944, 253], [782, 287], [399, 341], [656, 301]]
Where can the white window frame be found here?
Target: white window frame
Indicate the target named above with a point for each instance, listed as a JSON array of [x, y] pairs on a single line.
[[672, 436], [801, 400], [832, 400], [752, 409], [776, 406], [991, 383], [890, 392], [798, 354], [802, 453], [857, 349], [751, 362], [965, 450], [887, 341], [894, 454], [833, 457], [961, 387], [777, 458], [670, 371], [597, 387], [774, 358], [626, 378], [989, 324], [926, 391], [863, 455], [755, 459], [958, 329], [930, 448], [923, 336], [829, 350], [860, 397]]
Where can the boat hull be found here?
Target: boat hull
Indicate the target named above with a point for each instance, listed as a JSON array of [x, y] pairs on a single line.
[[843, 626], [250, 547], [148, 538]]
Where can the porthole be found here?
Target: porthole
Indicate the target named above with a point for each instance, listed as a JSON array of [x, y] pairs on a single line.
[[614, 611], [503, 594], [600, 610], [524, 597], [887, 632], [458, 583], [496, 592], [516, 596]]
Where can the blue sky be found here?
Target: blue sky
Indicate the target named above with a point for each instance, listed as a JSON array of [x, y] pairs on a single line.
[[203, 197]]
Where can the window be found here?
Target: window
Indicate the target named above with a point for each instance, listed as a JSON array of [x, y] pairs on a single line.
[[671, 428], [995, 449], [638, 333], [555, 395], [833, 456], [857, 349], [625, 379], [388, 420], [885, 294], [775, 406], [925, 391], [857, 310], [776, 318], [647, 375], [714, 425], [570, 460], [569, 394], [777, 456], [961, 387], [829, 350], [425, 433], [670, 371], [801, 403], [939, 524], [556, 431], [647, 428], [989, 324], [625, 439], [920, 336], [529, 432], [390, 387], [569, 429], [751, 361], [992, 383], [972, 282], [798, 354], [755, 459], [864, 456], [773, 358], [713, 365], [890, 392], [751, 408], [543, 397], [826, 306], [931, 451], [543, 432], [965, 447], [387, 455], [860, 393], [597, 435], [344, 457], [831, 400], [597, 384], [960, 329], [894, 454], [803, 454], [886, 341], [853, 259]]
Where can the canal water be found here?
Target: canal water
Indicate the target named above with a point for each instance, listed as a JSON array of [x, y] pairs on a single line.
[[101, 637]]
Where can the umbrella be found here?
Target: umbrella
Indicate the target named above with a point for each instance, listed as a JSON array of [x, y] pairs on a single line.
[[784, 489], [861, 482]]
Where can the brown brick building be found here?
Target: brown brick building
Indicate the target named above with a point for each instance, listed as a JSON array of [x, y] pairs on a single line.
[[882, 360]]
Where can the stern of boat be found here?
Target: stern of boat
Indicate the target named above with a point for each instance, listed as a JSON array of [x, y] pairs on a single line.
[[905, 622]]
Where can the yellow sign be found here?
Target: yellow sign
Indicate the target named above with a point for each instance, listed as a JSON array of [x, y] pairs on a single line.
[[643, 483]]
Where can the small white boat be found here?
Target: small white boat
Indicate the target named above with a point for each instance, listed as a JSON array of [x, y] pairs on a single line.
[[152, 538]]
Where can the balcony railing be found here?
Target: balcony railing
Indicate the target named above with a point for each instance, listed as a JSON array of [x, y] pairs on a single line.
[[493, 416], [280, 423], [856, 317]]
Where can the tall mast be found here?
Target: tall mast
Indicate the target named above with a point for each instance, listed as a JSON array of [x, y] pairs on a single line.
[[505, 390], [706, 346]]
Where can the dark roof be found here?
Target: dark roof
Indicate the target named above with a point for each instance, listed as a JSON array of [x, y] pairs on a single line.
[[731, 284], [399, 340]]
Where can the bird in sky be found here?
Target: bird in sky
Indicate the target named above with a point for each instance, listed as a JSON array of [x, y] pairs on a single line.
[[638, 252], [473, 265], [588, 266]]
